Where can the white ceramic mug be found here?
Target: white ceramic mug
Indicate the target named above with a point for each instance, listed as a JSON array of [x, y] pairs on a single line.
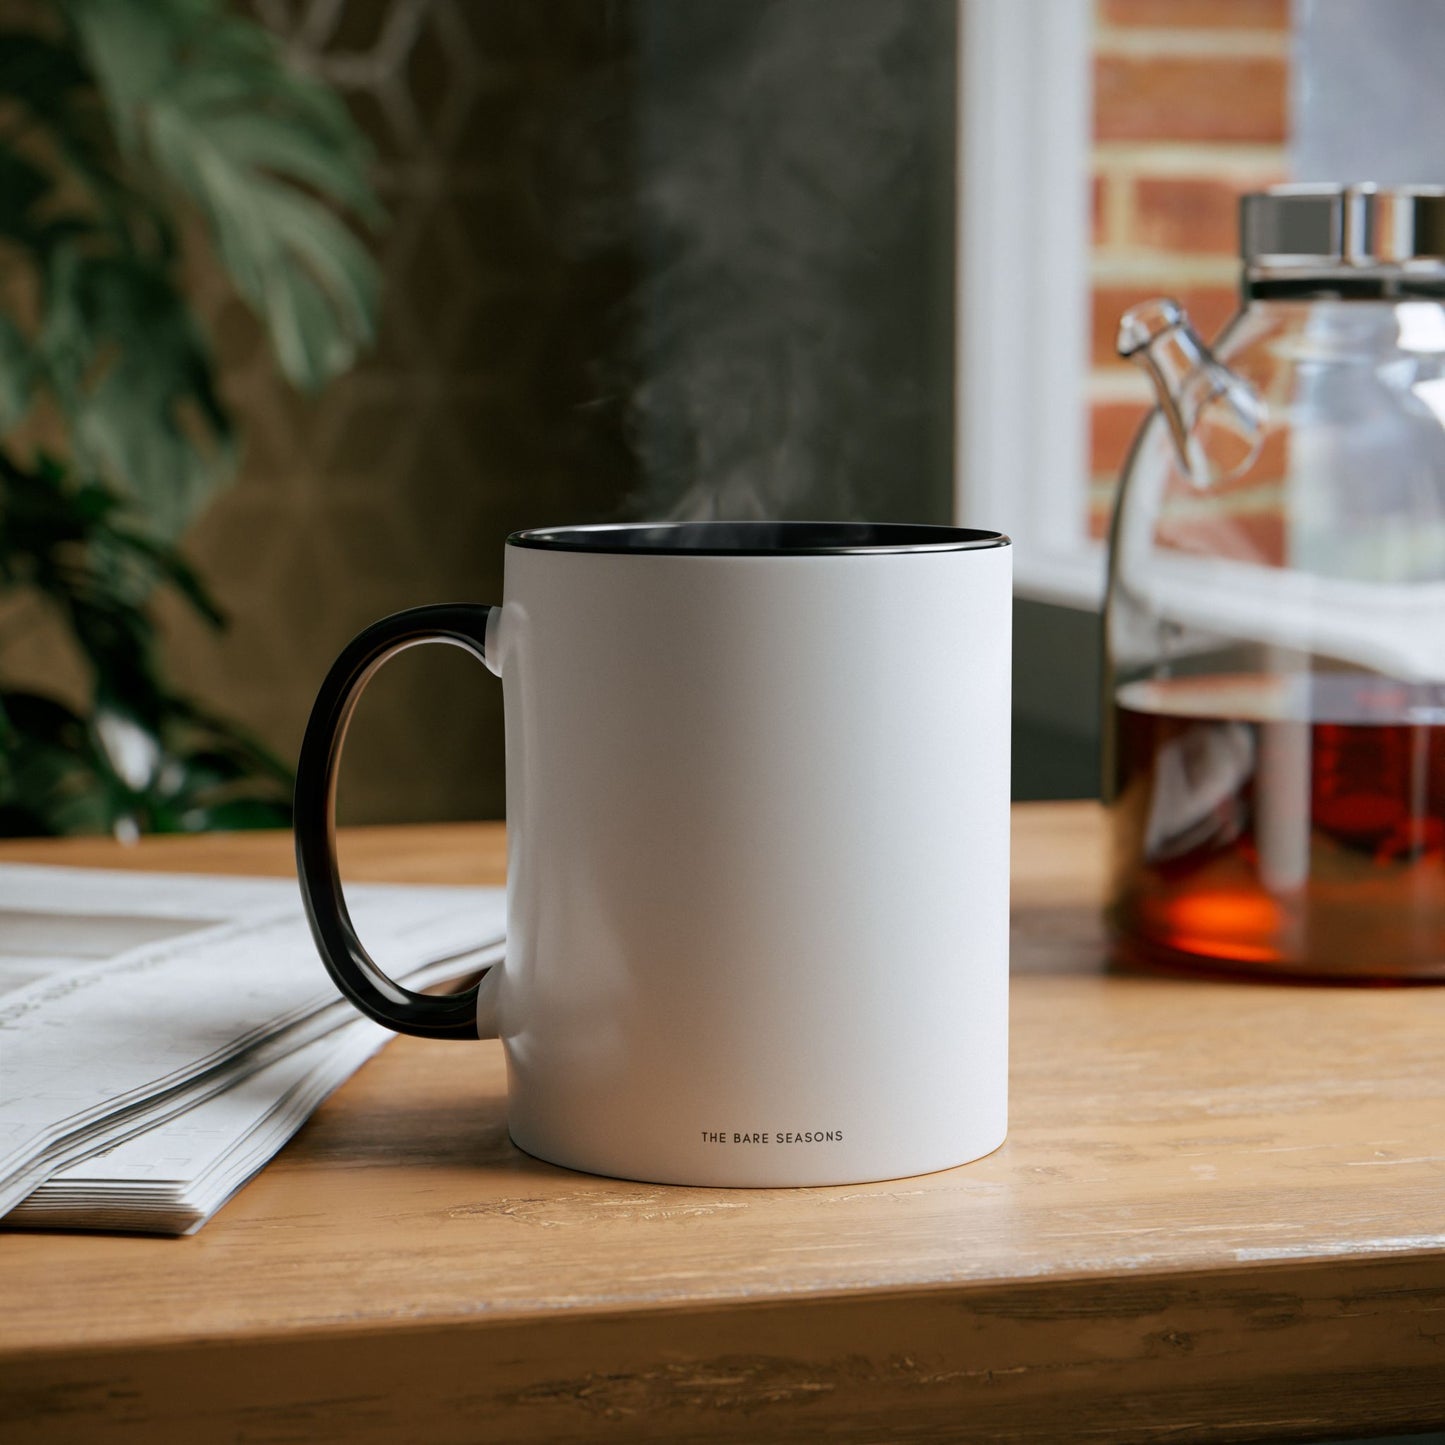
[[758, 829]]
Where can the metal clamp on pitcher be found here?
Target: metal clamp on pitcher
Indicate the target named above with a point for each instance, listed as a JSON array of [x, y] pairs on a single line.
[[1275, 626]]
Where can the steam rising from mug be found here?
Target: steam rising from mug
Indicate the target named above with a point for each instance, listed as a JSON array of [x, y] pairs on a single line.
[[789, 330]]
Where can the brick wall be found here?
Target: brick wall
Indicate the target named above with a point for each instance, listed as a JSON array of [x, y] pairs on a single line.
[[1190, 110]]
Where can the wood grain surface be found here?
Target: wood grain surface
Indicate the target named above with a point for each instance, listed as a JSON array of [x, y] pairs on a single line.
[[1220, 1214]]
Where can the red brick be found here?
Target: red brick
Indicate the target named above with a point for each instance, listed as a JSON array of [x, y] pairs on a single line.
[[1098, 220], [1188, 213], [1198, 14], [1244, 536], [1100, 516], [1197, 98], [1209, 307], [1112, 428], [1271, 466], [1257, 487]]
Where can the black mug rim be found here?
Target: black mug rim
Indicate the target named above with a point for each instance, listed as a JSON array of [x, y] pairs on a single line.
[[756, 539]]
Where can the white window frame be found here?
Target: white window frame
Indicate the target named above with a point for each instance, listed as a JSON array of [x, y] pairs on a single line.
[[1021, 444]]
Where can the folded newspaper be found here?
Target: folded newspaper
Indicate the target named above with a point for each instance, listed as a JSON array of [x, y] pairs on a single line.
[[161, 1036]]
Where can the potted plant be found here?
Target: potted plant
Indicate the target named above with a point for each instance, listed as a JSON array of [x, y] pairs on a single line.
[[129, 131]]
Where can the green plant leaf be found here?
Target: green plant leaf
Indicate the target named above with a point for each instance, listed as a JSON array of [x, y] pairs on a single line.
[[17, 370], [265, 153], [235, 814], [61, 773], [74, 547], [55, 97], [134, 378], [113, 117], [22, 185], [49, 783], [38, 72], [235, 742], [170, 566]]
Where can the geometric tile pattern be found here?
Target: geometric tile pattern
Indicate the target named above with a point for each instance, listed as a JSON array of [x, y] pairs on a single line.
[[397, 485]]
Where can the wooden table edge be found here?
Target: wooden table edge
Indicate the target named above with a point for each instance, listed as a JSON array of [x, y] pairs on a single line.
[[1012, 1358], [1263, 1273]]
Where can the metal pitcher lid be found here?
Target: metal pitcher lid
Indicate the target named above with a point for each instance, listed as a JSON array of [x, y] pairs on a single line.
[[1325, 227]]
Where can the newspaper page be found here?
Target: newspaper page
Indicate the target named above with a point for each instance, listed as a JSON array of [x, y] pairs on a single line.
[[129, 1000]]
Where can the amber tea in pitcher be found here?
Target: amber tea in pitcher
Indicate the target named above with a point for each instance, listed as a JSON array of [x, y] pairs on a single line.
[[1296, 829]]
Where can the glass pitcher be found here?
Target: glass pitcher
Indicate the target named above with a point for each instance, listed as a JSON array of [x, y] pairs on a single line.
[[1275, 623]]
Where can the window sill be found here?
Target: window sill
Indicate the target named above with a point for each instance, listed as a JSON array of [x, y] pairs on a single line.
[[1072, 578]]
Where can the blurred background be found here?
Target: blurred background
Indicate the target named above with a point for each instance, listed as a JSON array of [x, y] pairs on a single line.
[[545, 261]]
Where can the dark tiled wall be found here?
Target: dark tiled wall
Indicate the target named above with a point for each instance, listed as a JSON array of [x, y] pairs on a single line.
[[480, 412]]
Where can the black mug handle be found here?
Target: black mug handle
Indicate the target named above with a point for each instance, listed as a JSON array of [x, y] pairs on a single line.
[[356, 974]]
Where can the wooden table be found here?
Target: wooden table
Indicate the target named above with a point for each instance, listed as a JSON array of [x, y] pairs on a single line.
[[1220, 1214]]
